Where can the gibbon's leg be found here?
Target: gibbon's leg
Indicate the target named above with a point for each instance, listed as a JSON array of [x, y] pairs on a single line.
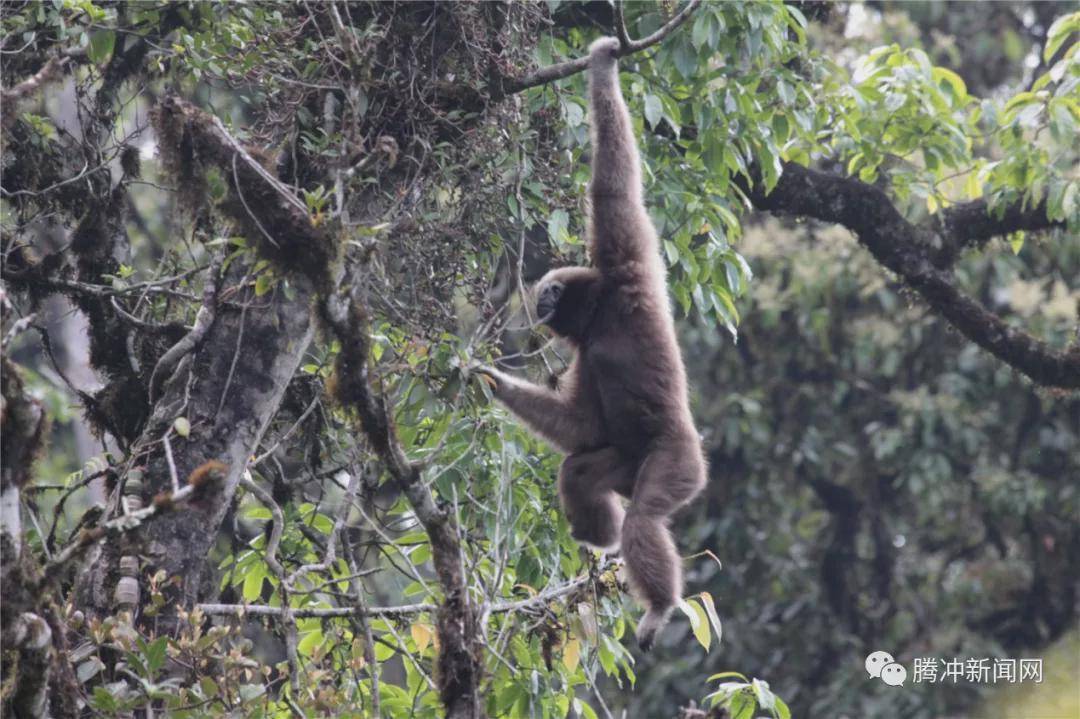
[[588, 482], [668, 478], [557, 417]]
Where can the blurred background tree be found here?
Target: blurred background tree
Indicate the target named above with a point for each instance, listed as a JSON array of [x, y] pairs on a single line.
[[249, 249]]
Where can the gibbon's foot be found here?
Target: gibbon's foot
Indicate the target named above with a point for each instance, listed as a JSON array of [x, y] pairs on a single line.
[[650, 625]]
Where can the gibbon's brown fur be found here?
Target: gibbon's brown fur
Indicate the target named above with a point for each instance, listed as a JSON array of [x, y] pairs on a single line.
[[621, 411]]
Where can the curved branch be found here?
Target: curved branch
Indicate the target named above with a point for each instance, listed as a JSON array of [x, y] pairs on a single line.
[[667, 29], [905, 249], [509, 85], [187, 344]]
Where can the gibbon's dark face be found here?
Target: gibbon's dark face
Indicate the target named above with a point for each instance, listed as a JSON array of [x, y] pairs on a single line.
[[547, 300], [566, 300]]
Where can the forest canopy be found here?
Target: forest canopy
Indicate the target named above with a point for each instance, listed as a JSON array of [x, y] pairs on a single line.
[[251, 250]]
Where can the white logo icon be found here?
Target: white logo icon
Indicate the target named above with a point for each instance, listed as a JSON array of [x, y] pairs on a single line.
[[876, 661], [882, 665], [894, 675]]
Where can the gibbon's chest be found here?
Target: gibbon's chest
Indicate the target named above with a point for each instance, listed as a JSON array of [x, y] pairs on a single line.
[[634, 388]]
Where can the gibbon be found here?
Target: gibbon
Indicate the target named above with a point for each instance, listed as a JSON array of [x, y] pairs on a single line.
[[620, 412]]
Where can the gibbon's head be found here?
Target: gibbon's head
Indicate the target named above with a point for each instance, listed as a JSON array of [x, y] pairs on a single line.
[[566, 300]]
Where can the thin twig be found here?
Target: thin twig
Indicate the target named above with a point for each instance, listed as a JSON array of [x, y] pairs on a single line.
[[113, 528], [288, 433], [240, 610], [171, 462]]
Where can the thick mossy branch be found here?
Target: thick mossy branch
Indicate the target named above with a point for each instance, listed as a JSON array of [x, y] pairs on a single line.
[[191, 141], [907, 251], [23, 425]]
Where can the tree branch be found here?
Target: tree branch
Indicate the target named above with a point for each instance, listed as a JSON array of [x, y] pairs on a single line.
[[205, 317], [680, 17], [266, 208], [509, 85], [906, 250], [971, 225], [10, 97], [456, 618], [31, 637], [502, 607], [240, 610]]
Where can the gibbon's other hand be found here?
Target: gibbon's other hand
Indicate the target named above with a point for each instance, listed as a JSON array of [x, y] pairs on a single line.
[[604, 51], [487, 374]]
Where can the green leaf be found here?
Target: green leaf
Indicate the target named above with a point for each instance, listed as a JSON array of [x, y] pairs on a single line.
[[1069, 204], [253, 583], [575, 113], [258, 512], [1059, 32], [103, 700], [101, 46], [1020, 100], [263, 283], [673, 113], [765, 698], [671, 252], [685, 61], [733, 160], [310, 642], [701, 630], [209, 687], [700, 34], [780, 127], [949, 79], [795, 13], [1016, 241], [182, 426], [155, 654], [584, 709], [714, 619], [786, 92], [698, 623], [725, 675], [742, 706], [653, 110], [558, 221]]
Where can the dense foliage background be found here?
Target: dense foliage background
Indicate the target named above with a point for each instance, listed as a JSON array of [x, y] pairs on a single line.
[[251, 249]]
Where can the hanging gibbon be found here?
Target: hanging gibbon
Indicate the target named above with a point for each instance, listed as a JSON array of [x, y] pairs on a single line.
[[620, 412]]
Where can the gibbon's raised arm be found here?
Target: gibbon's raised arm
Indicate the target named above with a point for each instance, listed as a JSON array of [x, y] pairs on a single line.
[[558, 417], [620, 229]]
